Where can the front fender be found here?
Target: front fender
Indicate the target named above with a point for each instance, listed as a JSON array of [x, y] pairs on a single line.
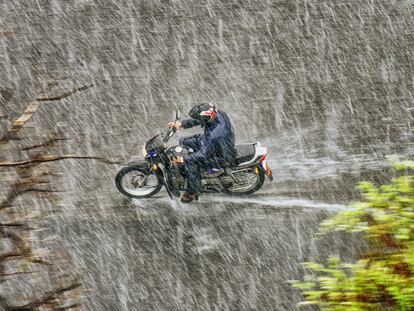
[[158, 172], [140, 163], [144, 165]]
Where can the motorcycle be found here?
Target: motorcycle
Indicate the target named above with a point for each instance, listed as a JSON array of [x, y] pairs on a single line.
[[160, 167]]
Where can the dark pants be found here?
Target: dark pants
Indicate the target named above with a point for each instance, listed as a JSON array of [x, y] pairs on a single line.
[[194, 171]]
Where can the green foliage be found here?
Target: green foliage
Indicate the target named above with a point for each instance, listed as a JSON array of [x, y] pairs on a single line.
[[383, 277]]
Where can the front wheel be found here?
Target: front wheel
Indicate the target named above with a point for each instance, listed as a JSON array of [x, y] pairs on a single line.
[[137, 182], [249, 180]]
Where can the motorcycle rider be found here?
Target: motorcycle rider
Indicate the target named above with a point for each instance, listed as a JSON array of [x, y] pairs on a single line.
[[211, 149]]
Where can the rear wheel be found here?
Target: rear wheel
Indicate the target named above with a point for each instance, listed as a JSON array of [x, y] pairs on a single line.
[[249, 180], [137, 182]]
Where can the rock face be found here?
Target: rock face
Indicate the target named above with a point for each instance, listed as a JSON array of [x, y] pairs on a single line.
[[327, 86]]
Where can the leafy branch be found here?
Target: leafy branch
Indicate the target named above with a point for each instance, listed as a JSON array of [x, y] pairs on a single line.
[[383, 277]]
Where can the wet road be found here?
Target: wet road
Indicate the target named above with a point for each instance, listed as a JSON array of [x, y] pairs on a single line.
[[223, 253]]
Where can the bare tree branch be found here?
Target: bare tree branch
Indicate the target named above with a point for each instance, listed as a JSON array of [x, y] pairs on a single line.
[[25, 183], [46, 298], [48, 143], [15, 193], [13, 224], [42, 159], [10, 255], [8, 200], [27, 114], [64, 95], [72, 306], [29, 181], [17, 273], [36, 190], [5, 33], [32, 108], [20, 122], [20, 247]]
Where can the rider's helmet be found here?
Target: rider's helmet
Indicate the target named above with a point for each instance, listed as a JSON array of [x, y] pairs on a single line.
[[205, 113]]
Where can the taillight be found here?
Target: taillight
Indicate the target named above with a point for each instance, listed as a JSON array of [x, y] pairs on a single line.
[[266, 167]]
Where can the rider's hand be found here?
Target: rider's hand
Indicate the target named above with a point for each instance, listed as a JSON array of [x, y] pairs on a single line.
[[176, 124]]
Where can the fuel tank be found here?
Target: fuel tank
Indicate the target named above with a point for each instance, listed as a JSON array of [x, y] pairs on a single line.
[[179, 151]]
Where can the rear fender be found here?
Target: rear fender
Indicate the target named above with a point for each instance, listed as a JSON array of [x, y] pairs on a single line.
[[258, 153], [260, 150]]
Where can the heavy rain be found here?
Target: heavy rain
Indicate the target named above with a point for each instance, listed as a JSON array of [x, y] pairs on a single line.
[[325, 85]]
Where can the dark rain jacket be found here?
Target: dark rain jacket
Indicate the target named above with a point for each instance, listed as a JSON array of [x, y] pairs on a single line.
[[216, 143]]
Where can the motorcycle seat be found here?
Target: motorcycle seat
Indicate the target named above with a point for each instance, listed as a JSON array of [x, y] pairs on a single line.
[[244, 153]]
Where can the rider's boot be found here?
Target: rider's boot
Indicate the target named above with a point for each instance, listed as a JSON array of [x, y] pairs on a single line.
[[188, 197]]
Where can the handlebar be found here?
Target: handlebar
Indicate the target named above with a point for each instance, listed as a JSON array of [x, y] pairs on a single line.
[[169, 134], [171, 131]]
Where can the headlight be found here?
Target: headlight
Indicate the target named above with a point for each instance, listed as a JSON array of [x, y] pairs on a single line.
[[144, 151], [178, 160]]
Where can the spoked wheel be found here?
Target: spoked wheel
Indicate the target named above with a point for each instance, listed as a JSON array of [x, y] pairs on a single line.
[[249, 180], [137, 182]]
